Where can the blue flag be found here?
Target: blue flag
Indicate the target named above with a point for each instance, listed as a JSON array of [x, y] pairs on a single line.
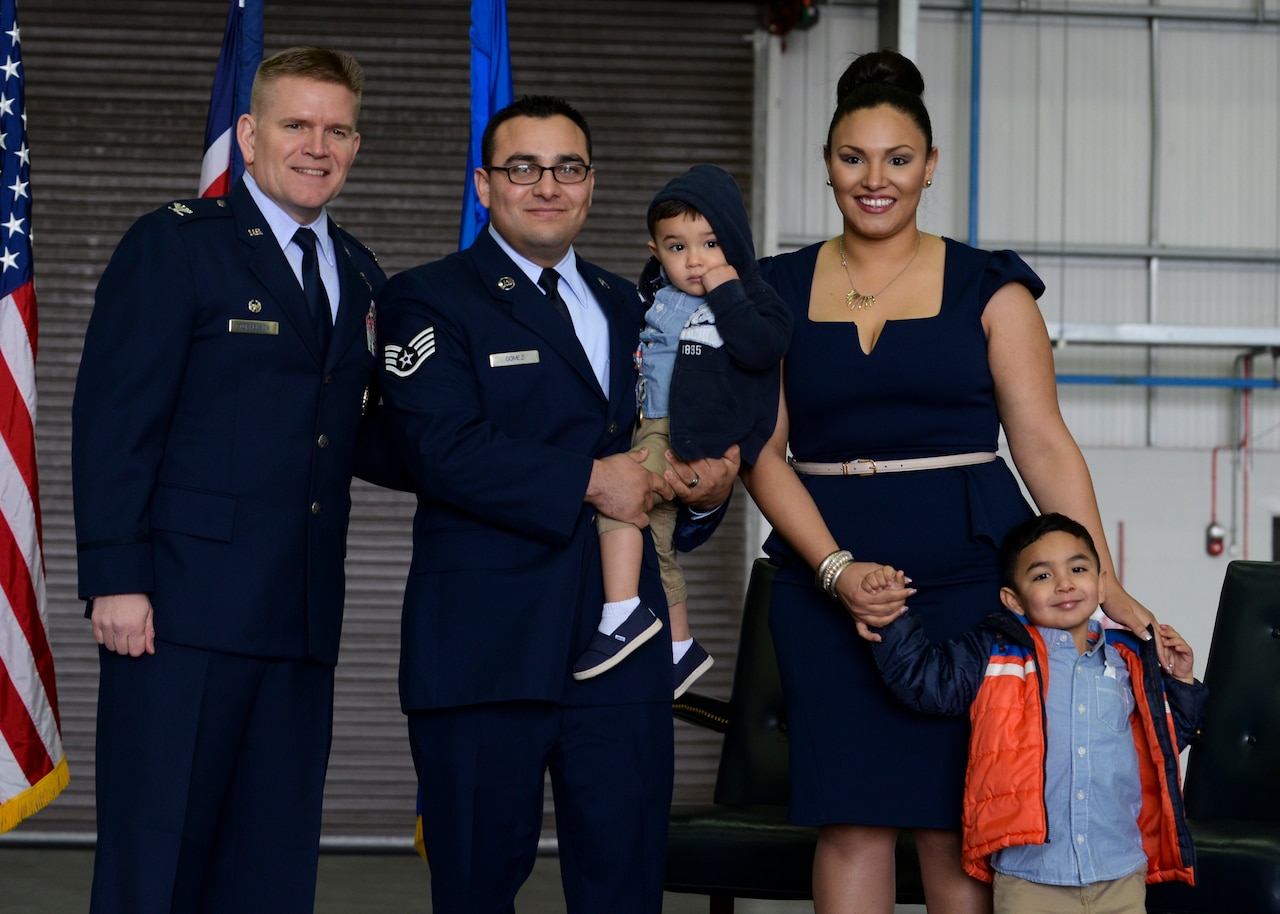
[[232, 85], [490, 93]]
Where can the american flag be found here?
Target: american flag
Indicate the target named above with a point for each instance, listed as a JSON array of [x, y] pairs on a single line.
[[232, 83], [33, 767]]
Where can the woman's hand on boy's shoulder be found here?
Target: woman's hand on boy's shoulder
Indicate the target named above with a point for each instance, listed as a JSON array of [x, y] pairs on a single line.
[[1121, 607]]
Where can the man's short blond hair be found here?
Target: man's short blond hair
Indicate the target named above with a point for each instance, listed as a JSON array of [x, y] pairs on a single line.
[[307, 62]]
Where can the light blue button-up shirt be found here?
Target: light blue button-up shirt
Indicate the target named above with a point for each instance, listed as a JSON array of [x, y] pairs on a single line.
[[283, 226], [1093, 791], [589, 320]]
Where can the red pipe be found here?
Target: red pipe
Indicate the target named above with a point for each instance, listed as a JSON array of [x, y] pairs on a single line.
[[1244, 456]]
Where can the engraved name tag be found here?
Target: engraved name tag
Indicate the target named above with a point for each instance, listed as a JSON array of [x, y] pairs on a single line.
[[503, 359], [267, 328]]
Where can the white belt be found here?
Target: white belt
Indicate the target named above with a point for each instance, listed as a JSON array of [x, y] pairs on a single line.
[[867, 467]]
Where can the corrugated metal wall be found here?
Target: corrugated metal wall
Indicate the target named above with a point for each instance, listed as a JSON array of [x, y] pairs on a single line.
[[1107, 131], [117, 92]]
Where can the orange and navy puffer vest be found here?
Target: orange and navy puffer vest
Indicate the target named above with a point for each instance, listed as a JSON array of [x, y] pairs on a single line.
[[995, 674]]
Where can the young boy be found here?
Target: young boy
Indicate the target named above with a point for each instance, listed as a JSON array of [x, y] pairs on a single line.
[[1072, 797], [708, 359]]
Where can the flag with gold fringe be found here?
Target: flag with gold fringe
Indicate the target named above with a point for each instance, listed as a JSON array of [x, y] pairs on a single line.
[[33, 766]]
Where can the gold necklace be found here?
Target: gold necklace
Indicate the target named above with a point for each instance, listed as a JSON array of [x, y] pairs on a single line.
[[855, 299]]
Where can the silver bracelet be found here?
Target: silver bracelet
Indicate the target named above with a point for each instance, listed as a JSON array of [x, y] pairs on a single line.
[[822, 568], [831, 590], [829, 570]]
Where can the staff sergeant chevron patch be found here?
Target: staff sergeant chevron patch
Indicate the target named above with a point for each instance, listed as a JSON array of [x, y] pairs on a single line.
[[403, 361]]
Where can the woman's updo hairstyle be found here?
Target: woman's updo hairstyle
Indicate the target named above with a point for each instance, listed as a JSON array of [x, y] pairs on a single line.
[[882, 78]]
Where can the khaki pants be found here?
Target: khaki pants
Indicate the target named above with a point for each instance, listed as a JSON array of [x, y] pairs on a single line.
[[655, 434], [1126, 895]]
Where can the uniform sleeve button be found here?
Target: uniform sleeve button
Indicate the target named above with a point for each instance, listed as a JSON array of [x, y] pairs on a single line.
[[323, 441], [315, 507]]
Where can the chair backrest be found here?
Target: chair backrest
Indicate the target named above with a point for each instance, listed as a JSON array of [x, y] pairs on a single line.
[[1233, 771], [753, 759]]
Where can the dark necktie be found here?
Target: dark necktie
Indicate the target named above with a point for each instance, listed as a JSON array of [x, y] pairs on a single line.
[[550, 282], [313, 287]]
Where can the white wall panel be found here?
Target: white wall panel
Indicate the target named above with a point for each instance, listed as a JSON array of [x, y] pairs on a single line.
[[1065, 130], [1105, 416], [1023, 131], [945, 64], [1186, 417], [1098, 291], [1226, 6], [1220, 137], [1219, 294]]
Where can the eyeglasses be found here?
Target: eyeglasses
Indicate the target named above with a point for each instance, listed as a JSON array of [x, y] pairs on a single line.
[[528, 173]]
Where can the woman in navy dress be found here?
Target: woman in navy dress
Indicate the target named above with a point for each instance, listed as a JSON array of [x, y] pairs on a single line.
[[907, 348]]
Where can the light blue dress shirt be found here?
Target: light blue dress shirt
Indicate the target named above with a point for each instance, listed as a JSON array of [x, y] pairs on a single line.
[[589, 321], [283, 226]]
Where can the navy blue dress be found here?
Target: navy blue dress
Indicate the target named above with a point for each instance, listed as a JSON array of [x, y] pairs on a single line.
[[857, 756]]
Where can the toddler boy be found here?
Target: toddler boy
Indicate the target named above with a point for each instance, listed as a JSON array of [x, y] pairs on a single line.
[[708, 360]]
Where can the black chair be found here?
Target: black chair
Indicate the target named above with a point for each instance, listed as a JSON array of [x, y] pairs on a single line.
[[741, 846], [1232, 787]]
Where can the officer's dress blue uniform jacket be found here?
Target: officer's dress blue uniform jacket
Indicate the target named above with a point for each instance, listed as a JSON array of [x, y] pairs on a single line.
[[213, 444], [212, 454], [499, 417]]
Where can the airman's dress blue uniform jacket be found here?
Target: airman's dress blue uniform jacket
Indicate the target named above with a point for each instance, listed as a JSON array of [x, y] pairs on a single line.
[[499, 416], [213, 444]]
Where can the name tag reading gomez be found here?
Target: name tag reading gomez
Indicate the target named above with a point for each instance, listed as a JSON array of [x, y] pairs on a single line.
[[510, 359]]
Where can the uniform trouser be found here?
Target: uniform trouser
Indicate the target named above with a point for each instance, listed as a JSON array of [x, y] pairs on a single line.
[[481, 772], [210, 779]]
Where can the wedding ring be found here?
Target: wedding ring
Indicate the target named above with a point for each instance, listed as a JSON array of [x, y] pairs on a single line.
[[696, 479]]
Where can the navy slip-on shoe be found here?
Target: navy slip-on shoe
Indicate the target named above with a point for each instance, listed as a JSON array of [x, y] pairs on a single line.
[[607, 651], [693, 664]]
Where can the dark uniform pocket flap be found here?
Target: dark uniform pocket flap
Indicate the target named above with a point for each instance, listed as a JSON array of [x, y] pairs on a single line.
[[209, 515]]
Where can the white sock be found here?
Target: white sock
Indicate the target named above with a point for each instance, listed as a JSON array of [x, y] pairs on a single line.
[[679, 649], [615, 614]]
